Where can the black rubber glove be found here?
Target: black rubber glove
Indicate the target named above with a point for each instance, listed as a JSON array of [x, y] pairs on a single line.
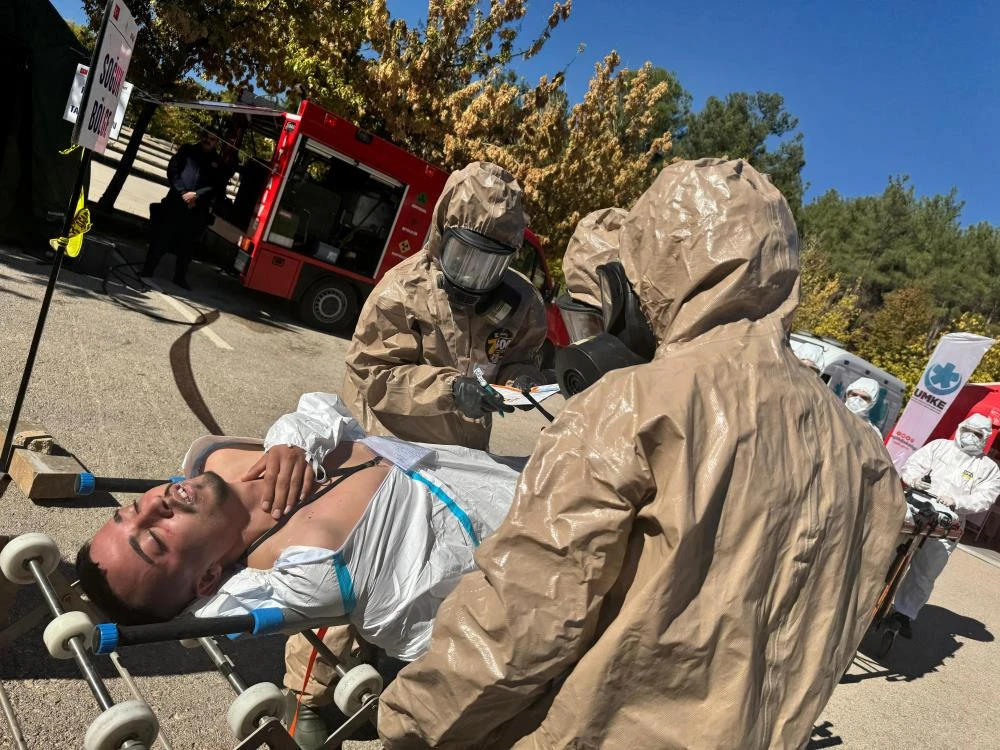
[[524, 382], [474, 401]]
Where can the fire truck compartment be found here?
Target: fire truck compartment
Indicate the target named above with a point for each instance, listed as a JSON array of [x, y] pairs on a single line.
[[335, 211]]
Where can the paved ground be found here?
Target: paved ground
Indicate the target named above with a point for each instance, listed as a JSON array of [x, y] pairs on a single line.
[[127, 394]]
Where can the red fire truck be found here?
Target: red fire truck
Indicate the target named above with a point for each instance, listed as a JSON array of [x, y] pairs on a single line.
[[336, 209]]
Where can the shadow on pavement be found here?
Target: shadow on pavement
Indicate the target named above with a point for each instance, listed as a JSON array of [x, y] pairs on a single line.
[[822, 737], [936, 635], [213, 288]]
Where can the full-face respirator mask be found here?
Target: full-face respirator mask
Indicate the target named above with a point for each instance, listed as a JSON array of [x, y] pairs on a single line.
[[626, 339]]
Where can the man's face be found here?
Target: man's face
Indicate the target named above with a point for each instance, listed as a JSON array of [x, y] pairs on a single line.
[[166, 547], [209, 142]]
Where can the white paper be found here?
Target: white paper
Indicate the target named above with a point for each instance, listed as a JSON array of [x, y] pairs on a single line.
[[407, 456], [513, 397]]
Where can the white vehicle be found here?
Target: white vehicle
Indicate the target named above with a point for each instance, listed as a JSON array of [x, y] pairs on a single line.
[[839, 368]]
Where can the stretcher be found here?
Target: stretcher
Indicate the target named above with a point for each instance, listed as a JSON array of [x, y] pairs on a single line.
[[254, 716], [926, 518]]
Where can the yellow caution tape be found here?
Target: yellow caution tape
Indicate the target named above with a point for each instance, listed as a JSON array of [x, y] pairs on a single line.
[[73, 243]]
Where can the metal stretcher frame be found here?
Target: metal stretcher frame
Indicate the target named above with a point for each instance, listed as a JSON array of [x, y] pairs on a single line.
[[922, 523], [132, 725]]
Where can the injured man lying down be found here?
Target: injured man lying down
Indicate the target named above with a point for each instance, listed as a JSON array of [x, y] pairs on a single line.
[[383, 538]]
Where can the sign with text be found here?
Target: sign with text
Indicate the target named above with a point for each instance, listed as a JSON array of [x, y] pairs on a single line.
[[104, 86], [952, 364], [76, 96]]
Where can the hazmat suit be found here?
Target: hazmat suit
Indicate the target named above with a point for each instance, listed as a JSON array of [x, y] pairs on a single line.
[[860, 399], [413, 342], [594, 243], [696, 544], [962, 477]]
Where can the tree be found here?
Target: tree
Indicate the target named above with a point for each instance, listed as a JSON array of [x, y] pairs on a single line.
[[177, 37], [84, 34], [443, 90], [742, 126], [570, 164], [671, 111], [826, 308], [897, 240]]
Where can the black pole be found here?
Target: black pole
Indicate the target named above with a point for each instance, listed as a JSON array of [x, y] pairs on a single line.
[[527, 394], [6, 453]]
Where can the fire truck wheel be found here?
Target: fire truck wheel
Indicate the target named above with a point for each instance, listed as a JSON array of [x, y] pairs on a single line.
[[330, 304]]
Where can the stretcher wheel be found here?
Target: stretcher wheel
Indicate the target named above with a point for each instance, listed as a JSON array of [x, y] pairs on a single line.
[[19, 550], [255, 703], [59, 632], [132, 720], [352, 687]]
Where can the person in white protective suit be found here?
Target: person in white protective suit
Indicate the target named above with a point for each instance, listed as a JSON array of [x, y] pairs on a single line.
[[386, 536], [860, 399], [959, 474]]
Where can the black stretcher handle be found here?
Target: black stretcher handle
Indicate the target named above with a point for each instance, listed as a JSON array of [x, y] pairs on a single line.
[[86, 483], [110, 636]]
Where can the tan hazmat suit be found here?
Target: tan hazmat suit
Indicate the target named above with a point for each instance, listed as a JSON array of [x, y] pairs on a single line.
[[696, 545], [594, 243], [410, 343]]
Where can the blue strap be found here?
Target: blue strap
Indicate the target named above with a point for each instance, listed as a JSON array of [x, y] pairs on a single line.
[[450, 504], [345, 583]]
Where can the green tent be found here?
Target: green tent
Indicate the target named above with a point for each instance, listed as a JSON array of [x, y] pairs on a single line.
[[39, 53]]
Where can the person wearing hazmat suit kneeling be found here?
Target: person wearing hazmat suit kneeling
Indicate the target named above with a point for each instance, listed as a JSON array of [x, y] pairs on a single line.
[[453, 307], [696, 545], [594, 243]]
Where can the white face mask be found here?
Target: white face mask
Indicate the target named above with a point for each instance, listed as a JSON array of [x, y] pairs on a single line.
[[971, 443], [858, 405]]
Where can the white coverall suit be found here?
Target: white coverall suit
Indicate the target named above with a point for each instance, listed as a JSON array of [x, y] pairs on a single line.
[[970, 482]]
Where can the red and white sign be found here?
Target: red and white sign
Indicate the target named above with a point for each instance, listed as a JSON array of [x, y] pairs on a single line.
[[76, 96], [104, 88], [954, 360]]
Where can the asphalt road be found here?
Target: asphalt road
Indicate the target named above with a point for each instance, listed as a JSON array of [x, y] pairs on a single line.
[[127, 394]]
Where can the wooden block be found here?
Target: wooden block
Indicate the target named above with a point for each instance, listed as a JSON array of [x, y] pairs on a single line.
[[43, 477], [32, 436]]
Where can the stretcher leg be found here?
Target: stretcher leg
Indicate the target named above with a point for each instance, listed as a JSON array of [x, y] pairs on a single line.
[[124, 726]]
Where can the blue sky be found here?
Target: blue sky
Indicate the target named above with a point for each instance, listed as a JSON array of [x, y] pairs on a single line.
[[880, 88]]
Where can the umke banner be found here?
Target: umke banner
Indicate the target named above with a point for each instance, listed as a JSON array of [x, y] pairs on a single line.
[[956, 357]]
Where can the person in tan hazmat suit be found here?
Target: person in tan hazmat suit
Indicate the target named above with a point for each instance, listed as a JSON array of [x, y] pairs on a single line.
[[594, 243], [696, 544], [453, 306]]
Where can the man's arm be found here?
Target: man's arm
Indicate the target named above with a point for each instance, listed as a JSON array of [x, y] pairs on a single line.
[[296, 446], [175, 176], [383, 362], [919, 464], [984, 492], [520, 622]]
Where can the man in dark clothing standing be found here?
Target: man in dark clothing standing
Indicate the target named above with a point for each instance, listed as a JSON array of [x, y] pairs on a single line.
[[196, 175]]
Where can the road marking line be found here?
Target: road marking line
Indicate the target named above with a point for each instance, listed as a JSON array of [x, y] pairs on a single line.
[[191, 318]]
